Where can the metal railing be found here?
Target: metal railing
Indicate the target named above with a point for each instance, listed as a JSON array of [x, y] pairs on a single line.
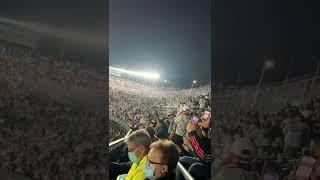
[[120, 140], [180, 168], [184, 172]]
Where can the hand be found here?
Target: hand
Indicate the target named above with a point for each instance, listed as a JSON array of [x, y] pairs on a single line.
[[186, 141], [191, 126], [187, 144]]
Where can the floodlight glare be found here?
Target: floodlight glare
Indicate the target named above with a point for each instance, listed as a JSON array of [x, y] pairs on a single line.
[[268, 64], [147, 75]]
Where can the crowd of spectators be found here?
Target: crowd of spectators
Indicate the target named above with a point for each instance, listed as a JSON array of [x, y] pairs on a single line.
[[155, 90], [270, 145], [173, 122], [48, 138], [116, 131], [17, 61], [252, 144], [130, 104], [42, 137]]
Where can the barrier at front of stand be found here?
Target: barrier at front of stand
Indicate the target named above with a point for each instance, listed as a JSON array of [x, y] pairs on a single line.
[[116, 144], [184, 172]]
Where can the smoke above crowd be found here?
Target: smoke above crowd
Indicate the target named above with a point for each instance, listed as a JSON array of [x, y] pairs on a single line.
[[58, 32]]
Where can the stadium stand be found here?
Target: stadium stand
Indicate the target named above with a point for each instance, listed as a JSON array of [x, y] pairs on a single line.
[[168, 113], [54, 135]]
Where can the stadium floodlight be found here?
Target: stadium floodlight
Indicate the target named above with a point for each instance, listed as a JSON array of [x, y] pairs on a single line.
[[193, 82], [147, 75], [268, 64]]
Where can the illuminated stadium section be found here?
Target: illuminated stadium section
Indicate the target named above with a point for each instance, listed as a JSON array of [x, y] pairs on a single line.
[[119, 71]]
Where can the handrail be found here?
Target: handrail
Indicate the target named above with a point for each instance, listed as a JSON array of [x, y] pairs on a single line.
[[120, 140], [184, 172]]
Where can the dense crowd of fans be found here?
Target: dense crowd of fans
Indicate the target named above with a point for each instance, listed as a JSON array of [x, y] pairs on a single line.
[[147, 90], [271, 145], [17, 61], [252, 144], [42, 137], [130, 104], [175, 121]]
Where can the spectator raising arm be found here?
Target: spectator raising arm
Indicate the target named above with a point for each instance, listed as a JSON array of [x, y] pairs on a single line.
[[200, 144]]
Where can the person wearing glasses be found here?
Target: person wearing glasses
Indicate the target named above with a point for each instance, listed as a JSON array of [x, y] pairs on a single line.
[[138, 147], [161, 161]]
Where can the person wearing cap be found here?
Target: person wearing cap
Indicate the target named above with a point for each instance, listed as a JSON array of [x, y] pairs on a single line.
[[236, 166], [181, 122]]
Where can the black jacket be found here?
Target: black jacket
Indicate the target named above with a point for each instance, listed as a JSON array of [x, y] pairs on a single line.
[[162, 132], [201, 146]]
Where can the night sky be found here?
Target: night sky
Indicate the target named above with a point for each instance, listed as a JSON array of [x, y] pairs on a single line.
[[169, 36], [174, 36], [248, 32], [78, 15]]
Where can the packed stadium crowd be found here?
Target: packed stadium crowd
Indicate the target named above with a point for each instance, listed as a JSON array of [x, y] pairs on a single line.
[[274, 145], [42, 137], [174, 126], [129, 108], [248, 144], [153, 89], [46, 139], [17, 60], [116, 131]]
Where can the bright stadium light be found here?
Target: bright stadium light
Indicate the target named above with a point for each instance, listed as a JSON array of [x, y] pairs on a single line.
[[268, 64], [147, 75]]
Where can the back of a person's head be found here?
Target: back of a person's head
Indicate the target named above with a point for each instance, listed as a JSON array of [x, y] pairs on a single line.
[[139, 137], [168, 152], [150, 131], [160, 121], [167, 122]]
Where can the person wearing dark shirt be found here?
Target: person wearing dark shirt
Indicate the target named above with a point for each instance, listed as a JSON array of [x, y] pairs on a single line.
[[198, 165], [151, 132], [161, 130], [275, 130]]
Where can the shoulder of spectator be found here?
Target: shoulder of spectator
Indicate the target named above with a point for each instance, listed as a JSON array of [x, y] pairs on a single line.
[[193, 133]]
